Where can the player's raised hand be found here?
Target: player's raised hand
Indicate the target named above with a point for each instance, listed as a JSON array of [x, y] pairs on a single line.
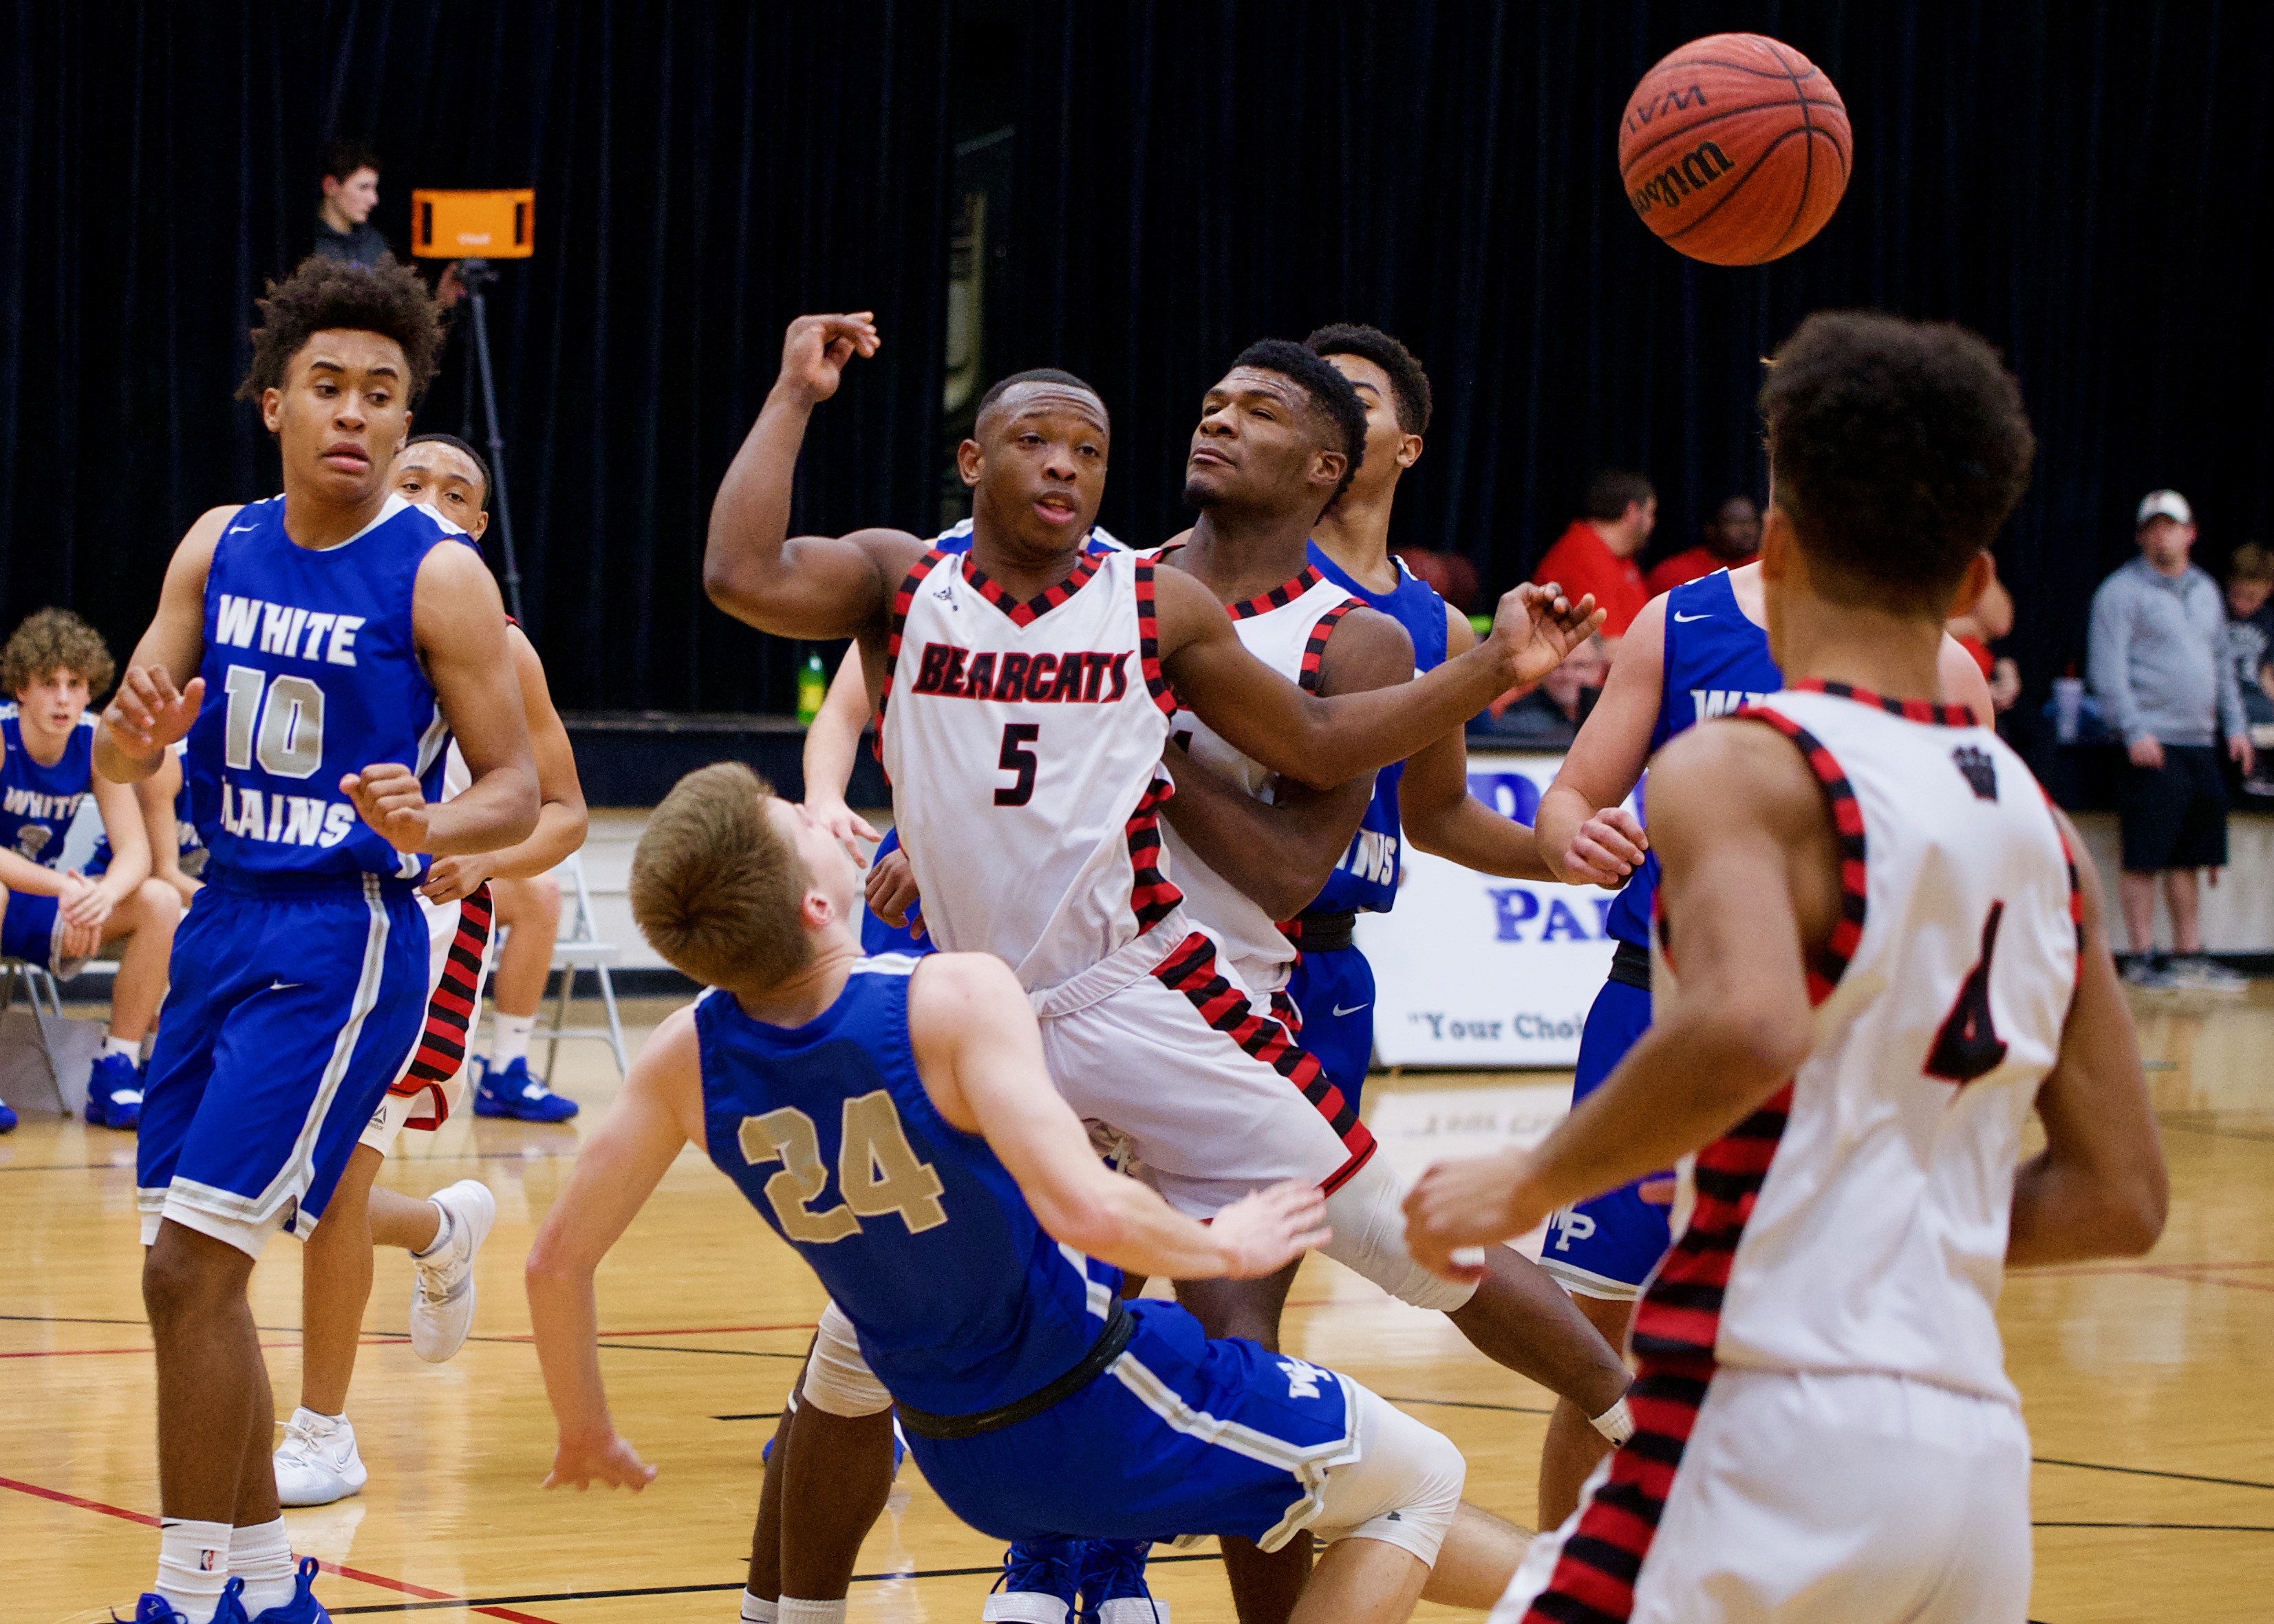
[[1606, 849], [148, 713], [609, 1462], [390, 799], [846, 826], [891, 893], [817, 348], [1266, 1230], [1463, 1206], [1537, 626]]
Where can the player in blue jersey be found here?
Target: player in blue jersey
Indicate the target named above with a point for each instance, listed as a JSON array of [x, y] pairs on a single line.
[[892, 1120], [49, 915], [318, 651], [1697, 652], [178, 854]]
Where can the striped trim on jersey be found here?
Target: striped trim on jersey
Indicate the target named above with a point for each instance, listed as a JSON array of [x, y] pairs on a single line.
[[1192, 970], [1931, 712], [1153, 895], [903, 601], [1148, 642], [1314, 647], [1034, 608], [1677, 1319], [1278, 598], [451, 1009]]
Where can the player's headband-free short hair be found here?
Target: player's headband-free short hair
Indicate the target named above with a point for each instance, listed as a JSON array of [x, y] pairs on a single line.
[[461, 447], [1615, 490], [1336, 408], [1409, 384], [53, 638], [1897, 448], [715, 888], [1038, 374], [344, 157], [326, 295]]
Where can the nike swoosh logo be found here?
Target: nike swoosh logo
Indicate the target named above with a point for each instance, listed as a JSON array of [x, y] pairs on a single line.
[[1354, 1009], [1686, 619]]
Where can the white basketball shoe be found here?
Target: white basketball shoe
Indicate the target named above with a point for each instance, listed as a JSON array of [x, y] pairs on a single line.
[[442, 1298], [317, 1463]]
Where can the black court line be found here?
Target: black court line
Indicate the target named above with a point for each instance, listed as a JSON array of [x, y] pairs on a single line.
[[1468, 1403], [2142, 1471], [755, 1414], [697, 1590]]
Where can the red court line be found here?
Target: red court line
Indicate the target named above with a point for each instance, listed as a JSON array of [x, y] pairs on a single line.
[[377, 1581]]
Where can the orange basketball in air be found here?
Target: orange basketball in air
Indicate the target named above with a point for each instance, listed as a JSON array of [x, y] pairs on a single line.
[[1734, 149]]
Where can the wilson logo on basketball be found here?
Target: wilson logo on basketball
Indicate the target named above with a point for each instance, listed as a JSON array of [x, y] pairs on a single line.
[[1673, 102], [1692, 173]]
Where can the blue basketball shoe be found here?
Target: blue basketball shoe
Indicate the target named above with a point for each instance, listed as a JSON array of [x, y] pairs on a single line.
[[304, 1608], [510, 1091], [155, 1609], [114, 1094], [7, 1117], [1113, 1590], [1039, 1582]]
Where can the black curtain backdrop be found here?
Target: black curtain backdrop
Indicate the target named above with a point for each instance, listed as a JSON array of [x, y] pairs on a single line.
[[2061, 176]]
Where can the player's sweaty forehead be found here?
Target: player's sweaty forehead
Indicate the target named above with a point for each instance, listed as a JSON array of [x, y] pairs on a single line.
[[1041, 401], [1248, 382]]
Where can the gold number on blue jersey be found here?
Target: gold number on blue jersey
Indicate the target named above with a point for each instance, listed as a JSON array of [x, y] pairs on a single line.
[[877, 1169], [288, 716]]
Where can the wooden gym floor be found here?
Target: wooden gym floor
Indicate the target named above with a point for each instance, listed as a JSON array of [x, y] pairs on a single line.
[[2145, 1383]]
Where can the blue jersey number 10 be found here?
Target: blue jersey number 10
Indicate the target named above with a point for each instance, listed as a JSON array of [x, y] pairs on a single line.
[[279, 721]]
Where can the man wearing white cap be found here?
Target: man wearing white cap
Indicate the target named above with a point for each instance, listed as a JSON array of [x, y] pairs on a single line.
[[2158, 631]]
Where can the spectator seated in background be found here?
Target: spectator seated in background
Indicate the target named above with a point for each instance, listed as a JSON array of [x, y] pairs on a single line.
[[55, 918], [1597, 551], [351, 184], [1548, 716], [2250, 647], [1448, 574], [1990, 620], [2159, 664], [1733, 536]]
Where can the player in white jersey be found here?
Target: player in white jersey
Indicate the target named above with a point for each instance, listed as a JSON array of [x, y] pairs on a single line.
[[319, 1461], [1877, 958]]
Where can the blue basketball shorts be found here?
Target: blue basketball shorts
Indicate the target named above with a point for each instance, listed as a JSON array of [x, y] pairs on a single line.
[[1608, 1246], [1184, 1436], [27, 931], [877, 937], [1334, 993], [290, 1012]]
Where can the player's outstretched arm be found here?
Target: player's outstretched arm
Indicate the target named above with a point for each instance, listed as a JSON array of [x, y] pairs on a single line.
[[1323, 742], [799, 586], [1751, 884], [1443, 819], [1280, 853], [831, 745], [2099, 1188], [618, 1169], [980, 1059], [563, 817], [158, 698], [1584, 836]]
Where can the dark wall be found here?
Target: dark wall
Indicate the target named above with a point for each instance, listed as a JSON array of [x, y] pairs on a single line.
[[2058, 173]]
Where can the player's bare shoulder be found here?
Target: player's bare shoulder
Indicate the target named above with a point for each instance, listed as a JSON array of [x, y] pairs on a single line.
[[948, 991], [194, 552], [1733, 768], [1366, 649]]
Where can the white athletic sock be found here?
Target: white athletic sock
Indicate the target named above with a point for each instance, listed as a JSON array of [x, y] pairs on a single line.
[[758, 1610], [508, 1037], [441, 1231], [193, 1566], [262, 1557], [796, 1611], [131, 1047]]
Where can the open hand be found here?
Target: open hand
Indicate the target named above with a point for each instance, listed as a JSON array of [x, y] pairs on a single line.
[[1475, 1202], [817, 348], [609, 1462], [846, 826], [390, 799], [1606, 849], [1537, 626], [1266, 1230], [893, 891], [148, 714]]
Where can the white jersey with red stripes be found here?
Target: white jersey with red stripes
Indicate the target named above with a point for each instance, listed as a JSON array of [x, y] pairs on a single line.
[[1023, 742], [1286, 629], [1884, 1171]]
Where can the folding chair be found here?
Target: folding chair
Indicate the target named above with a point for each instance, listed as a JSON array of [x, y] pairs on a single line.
[[581, 949], [34, 977]]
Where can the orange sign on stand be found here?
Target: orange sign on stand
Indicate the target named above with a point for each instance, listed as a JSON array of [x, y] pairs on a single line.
[[473, 225]]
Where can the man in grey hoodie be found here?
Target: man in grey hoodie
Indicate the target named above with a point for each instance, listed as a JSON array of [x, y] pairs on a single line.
[[2158, 631]]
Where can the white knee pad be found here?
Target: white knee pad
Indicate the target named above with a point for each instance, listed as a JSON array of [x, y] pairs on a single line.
[[837, 1380], [1405, 1488], [1368, 1219]]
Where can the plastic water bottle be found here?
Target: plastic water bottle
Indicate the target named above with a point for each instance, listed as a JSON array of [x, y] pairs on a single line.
[[812, 688]]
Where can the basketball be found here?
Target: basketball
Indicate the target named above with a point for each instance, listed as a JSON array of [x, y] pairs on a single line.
[[1734, 149]]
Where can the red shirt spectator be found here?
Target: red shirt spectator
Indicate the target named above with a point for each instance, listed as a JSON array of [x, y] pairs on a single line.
[[1732, 536], [1597, 552]]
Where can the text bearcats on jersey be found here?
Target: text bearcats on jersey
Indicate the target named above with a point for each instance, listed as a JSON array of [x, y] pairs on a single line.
[[1084, 677]]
